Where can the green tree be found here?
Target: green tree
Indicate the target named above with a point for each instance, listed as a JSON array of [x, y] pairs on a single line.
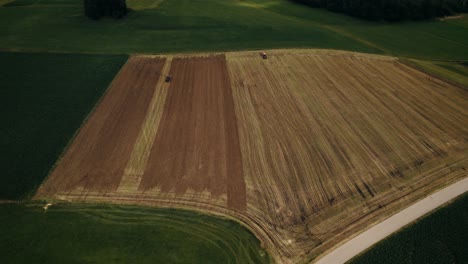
[[392, 10], [96, 9]]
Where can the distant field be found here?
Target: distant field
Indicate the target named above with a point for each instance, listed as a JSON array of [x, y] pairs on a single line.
[[436, 239], [185, 25], [121, 234], [431, 39], [143, 4], [44, 99], [328, 142]]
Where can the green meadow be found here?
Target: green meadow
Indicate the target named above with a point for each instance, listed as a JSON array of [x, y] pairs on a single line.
[[81, 233], [162, 26]]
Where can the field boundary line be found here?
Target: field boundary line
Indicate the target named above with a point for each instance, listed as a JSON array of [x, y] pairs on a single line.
[[446, 39], [353, 37], [413, 65], [248, 221], [29, 50], [334, 29], [154, 5], [9, 202], [394, 223]]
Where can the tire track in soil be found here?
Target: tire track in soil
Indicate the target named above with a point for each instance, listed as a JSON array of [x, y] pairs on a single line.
[[138, 159]]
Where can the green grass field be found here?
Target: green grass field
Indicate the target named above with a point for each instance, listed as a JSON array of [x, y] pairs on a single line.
[[431, 39], [121, 234], [436, 239], [199, 25], [44, 99]]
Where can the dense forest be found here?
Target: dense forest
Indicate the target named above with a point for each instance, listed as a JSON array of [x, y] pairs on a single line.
[[96, 9], [392, 10]]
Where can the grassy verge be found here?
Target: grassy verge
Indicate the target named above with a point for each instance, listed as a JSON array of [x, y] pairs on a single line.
[[143, 4], [438, 238], [121, 234], [450, 71], [44, 99], [157, 26]]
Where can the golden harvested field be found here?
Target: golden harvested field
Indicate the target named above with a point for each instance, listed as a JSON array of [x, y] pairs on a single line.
[[306, 148], [330, 141]]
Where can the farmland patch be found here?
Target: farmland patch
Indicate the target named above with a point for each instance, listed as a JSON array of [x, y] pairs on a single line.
[[152, 140], [306, 147], [197, 145], [332, 141]]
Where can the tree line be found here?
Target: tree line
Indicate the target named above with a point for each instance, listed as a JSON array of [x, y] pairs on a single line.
[[96, 9], [392, 10]]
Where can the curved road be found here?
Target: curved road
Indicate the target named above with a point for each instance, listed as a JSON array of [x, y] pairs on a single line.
[[392, 224]]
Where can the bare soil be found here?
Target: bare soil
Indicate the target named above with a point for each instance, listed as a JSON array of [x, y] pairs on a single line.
[[198, 147]]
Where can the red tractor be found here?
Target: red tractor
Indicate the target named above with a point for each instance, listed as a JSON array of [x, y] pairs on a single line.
[[264, 55]]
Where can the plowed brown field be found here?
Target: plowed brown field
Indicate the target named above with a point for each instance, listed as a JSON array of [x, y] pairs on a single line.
[[149, 140], [307, 148], [198, 148]]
